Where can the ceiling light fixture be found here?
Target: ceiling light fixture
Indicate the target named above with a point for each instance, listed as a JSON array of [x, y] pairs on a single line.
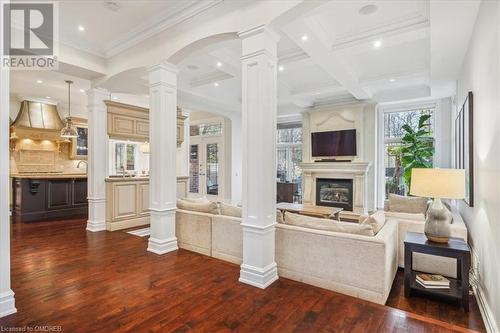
[[69, 130], [317, 93], [392, 80], [48, 97], [216, 84], [219, 64], [281, 68], [377, 44], [304, 38], [81, 28], [368, 9], [39, 81], [115, 98], [82, 90]]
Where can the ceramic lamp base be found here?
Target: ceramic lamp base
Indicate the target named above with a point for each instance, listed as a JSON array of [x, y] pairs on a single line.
[[437, 225]]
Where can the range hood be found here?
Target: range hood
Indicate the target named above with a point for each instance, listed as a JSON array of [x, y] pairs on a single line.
[[37, 121]]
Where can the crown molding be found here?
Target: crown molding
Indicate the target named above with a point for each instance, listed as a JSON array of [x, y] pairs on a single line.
[[157, 25]]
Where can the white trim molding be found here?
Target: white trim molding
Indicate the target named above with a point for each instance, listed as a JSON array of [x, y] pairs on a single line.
[[484, 308]]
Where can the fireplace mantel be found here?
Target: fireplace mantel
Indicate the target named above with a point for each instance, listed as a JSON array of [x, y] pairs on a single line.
[[357, 171], [337, 167]]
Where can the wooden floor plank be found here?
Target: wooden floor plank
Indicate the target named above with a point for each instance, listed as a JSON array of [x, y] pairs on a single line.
[[107, 282]]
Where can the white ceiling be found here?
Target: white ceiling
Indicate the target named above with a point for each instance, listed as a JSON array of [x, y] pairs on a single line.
[[338, 63]]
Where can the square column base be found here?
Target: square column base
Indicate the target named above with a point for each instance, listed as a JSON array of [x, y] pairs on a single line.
[[162, 239], [7, 304], [259, 277], [162, 246], [97, 215]]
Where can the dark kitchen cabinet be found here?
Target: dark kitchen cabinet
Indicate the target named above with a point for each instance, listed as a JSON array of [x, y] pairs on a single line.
[[53, 198]]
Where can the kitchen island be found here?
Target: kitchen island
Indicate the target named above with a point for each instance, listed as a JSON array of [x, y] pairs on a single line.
[[128, 201], [45, 196]]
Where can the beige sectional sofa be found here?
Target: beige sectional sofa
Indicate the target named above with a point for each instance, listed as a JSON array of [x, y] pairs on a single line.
[[358, 265]]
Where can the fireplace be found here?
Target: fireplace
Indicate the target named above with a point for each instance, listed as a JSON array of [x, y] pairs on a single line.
[[334, 192]]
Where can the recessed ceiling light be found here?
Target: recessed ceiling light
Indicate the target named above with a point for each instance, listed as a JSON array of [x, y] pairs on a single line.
[[281, 68], [392, 80], [377, 44], [81, 28], [115, 98], [39, 81], [317, 93], [219, 64], [368, 9], [82, 90], [48, 97], [304, 38], [216, 84]]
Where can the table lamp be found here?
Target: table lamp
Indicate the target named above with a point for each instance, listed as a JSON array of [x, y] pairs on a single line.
[[438, 184]]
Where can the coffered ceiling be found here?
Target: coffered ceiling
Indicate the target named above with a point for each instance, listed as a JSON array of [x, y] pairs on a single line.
[[335, 52]]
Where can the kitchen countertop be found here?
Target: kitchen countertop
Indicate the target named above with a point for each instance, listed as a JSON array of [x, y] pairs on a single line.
[[48, 175]]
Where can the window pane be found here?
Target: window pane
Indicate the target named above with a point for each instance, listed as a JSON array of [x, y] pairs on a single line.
[[205, 129], [194, 169], [290, 135], [212, 168], [130, 157], [393, 170], [394, 121], [119, 147]]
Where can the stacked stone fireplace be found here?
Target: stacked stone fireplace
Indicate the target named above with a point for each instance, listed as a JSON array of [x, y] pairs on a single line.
[[336, 184]]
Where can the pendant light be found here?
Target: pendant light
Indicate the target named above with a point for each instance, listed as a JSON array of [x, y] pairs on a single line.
[[69, 130]]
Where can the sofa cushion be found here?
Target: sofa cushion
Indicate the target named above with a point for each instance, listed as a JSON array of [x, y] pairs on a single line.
[[202, 207], [327, 225], [416, 217], [414, 205], [229, 210], [376, 221], [279, 216], [196, 200]]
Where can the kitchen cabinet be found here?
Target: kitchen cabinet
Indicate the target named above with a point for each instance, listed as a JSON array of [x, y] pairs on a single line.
[[129, 122], [37, 199]]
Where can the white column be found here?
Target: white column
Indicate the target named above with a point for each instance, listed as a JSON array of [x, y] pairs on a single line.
[[97, 158], [7, 305], [259, 100], [163, 150]]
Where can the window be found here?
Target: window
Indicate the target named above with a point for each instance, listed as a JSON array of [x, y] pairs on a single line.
[[393, 122], [131, 157], [289, 153], [205, 129]]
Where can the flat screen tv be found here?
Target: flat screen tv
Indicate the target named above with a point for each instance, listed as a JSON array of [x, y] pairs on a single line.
[[334, 143]]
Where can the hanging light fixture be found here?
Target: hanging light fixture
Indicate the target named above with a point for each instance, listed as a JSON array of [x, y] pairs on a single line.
[[69, 130]]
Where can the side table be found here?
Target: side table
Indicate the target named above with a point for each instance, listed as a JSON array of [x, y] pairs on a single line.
[[455, 248]]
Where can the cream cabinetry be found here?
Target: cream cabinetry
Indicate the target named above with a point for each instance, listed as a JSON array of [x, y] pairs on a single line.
[[128, 201], [129, 122]]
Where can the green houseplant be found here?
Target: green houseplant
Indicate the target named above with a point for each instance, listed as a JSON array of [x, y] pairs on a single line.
[[417, 148]]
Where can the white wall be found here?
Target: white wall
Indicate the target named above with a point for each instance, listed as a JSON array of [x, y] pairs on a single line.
[[480, 74]]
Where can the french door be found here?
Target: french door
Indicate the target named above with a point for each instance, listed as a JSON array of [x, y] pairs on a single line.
[[206, 173]]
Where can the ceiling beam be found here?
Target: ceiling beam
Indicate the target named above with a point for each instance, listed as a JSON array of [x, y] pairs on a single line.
[[318, 48]]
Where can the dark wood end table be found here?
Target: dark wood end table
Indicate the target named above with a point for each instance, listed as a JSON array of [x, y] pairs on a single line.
[[456, 248]]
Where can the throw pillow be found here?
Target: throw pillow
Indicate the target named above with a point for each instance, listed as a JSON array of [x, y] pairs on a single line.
[[229, 210], [414, 205], [376, 221], [327, 224], [202, 207], [279, 216]]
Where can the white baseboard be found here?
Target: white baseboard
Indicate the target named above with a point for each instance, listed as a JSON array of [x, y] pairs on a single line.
[[7, 304], [259, 277], [162, 246], [484, 308]]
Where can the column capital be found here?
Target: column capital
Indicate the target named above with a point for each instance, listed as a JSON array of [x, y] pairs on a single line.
[[260, 29], [163, 73], [164, 66], [98, 92], [259, 40]]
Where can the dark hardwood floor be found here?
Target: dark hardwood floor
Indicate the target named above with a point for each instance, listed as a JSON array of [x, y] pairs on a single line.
[[106, 282]]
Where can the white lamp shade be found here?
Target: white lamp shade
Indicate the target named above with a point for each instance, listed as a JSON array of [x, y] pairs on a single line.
[[438, 183]]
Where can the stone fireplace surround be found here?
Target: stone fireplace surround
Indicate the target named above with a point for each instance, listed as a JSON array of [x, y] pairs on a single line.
[[357, 171]]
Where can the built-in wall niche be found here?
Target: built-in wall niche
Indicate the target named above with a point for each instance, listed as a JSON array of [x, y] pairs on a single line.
[[128, 157]]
